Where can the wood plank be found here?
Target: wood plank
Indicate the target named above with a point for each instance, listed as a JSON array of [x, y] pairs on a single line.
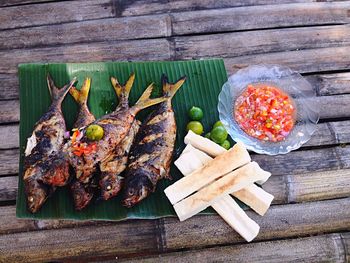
[[318, 186], [266, 16], [167, 234], [346, 239], [9, 88], [324, 159], [53, 13], [9, 160], [9, 136], [331, 84], [9, 111], [308, 187], [8, 188], [324, 248], [87, 31], [303, 61], [136, 50], [324, 84], [142, 7], [261, 41], [22, 2], [106, 8]]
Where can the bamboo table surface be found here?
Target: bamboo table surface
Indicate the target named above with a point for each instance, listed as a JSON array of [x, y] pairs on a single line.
[[309, 220]]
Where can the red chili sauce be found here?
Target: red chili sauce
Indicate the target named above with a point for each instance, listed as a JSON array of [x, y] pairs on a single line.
[[265, 112]]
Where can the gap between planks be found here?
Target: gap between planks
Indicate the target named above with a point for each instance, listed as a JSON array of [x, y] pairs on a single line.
[[139, 236]]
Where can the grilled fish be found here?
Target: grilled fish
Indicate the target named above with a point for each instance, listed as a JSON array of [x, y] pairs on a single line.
[[151, 153], [116, 126], [111, 181], [43, 163], [82, 192]]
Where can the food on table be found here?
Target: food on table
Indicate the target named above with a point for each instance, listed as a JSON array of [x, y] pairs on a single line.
[[226, 144], [115, 125], [94, 132], [218, 134], [82, 193], [217, 124], [227, 184], [112, 167], [151, 153], [192, 159], [207, 135], [85, 117], [222, 164], [203, 144], [195, 113], [43, 163], [252, 195], [265, 112], [195, 126]]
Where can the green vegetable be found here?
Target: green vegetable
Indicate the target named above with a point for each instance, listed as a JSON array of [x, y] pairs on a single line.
[[207, 135], [217, 124], [226, 144], [218, 134], [195, 113], [94, 132], [195, 126]]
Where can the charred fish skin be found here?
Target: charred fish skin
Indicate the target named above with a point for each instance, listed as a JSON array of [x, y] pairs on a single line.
[[116, 126], [111, 181], [151, 153], [43, 148], [82, 193]]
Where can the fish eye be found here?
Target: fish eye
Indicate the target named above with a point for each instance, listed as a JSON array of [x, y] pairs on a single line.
[[109, 187], [131, 191]]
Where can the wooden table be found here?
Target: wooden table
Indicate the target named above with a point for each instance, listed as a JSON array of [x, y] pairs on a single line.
[[310, 218]]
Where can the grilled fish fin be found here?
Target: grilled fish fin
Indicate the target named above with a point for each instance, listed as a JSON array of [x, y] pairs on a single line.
[[57, 95], [123, 91], [169, 89], [81, 96], [145, 100]]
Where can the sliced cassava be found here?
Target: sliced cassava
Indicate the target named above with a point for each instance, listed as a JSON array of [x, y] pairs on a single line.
[[214, 169], [229, 183]]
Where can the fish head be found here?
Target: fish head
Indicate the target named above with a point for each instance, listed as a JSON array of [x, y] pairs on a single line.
[[137, 187], [110, 185], [81, 195], [36, 194]]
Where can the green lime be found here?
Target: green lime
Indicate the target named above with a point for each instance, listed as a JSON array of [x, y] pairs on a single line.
[[94, 132], [218, 134], [195, 126], [195, 113], [226, 144], [217, 124], [207, 135]]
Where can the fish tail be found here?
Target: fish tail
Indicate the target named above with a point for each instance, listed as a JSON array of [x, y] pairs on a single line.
[[123, 91], [145, 100], [57, 95], [81, 96], [169, 89]]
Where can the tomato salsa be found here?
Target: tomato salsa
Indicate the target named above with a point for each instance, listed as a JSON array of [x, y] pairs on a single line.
[[265, 112]]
